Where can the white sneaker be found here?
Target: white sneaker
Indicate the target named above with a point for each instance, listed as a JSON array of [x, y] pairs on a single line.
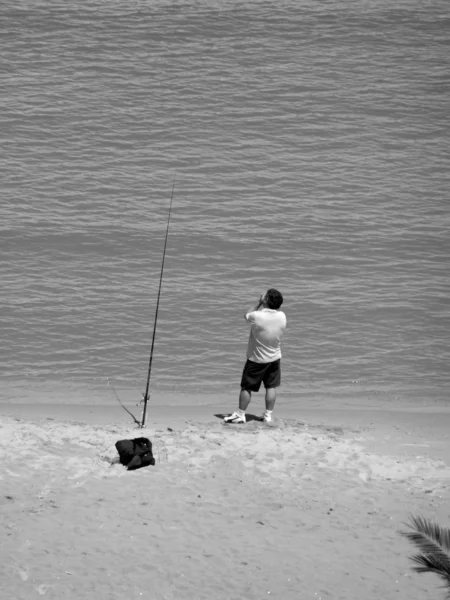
[[235, 418], [266, 418]]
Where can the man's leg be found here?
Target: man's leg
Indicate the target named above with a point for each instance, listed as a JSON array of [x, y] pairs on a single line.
[[244, 399], [251, 380], [271, 380], [239, 415], [271, 396]]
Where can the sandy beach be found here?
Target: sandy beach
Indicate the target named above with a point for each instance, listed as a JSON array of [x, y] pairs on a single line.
[[308, 506]]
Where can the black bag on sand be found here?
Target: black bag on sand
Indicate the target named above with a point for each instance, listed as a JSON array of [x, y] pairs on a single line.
[[136, 453]]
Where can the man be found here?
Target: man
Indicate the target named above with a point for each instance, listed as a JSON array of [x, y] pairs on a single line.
[[263, 355]]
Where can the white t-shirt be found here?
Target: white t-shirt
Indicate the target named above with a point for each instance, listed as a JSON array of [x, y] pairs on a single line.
[[265, 335]]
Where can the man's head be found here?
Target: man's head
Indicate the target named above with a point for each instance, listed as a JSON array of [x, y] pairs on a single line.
[[273, 299]]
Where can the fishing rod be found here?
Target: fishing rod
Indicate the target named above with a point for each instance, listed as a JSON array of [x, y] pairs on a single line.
[[146, 395]]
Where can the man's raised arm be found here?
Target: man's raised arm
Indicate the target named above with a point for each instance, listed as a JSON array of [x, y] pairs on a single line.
[[256, 307]]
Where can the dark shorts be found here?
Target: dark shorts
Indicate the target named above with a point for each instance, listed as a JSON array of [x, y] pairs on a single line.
[[256, 373]]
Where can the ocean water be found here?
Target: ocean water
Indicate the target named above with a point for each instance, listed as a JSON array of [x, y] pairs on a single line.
[[310, 145]]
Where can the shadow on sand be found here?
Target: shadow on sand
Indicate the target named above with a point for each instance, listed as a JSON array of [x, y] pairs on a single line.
[[248, 418]]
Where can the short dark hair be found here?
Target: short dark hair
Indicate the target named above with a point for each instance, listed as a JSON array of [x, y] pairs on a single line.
[[274, 299]]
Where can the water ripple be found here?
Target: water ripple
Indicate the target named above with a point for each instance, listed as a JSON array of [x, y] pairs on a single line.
[[311, 148]]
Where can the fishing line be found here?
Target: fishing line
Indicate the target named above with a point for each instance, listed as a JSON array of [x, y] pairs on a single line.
[[124, 407], [146, 395]]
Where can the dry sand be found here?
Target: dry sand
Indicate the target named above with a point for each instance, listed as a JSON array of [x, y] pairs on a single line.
[[307, 507]]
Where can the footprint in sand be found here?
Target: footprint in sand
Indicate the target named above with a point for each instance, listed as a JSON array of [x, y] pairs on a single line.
[[12, 473], [77, 475], [43, 589], [365, 475], [23, 574]]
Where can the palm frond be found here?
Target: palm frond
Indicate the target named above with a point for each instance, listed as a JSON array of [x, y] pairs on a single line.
[[441, 535], [433, 542]]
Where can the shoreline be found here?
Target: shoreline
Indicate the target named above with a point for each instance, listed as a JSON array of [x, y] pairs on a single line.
[[357, 397], [96, 411]]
